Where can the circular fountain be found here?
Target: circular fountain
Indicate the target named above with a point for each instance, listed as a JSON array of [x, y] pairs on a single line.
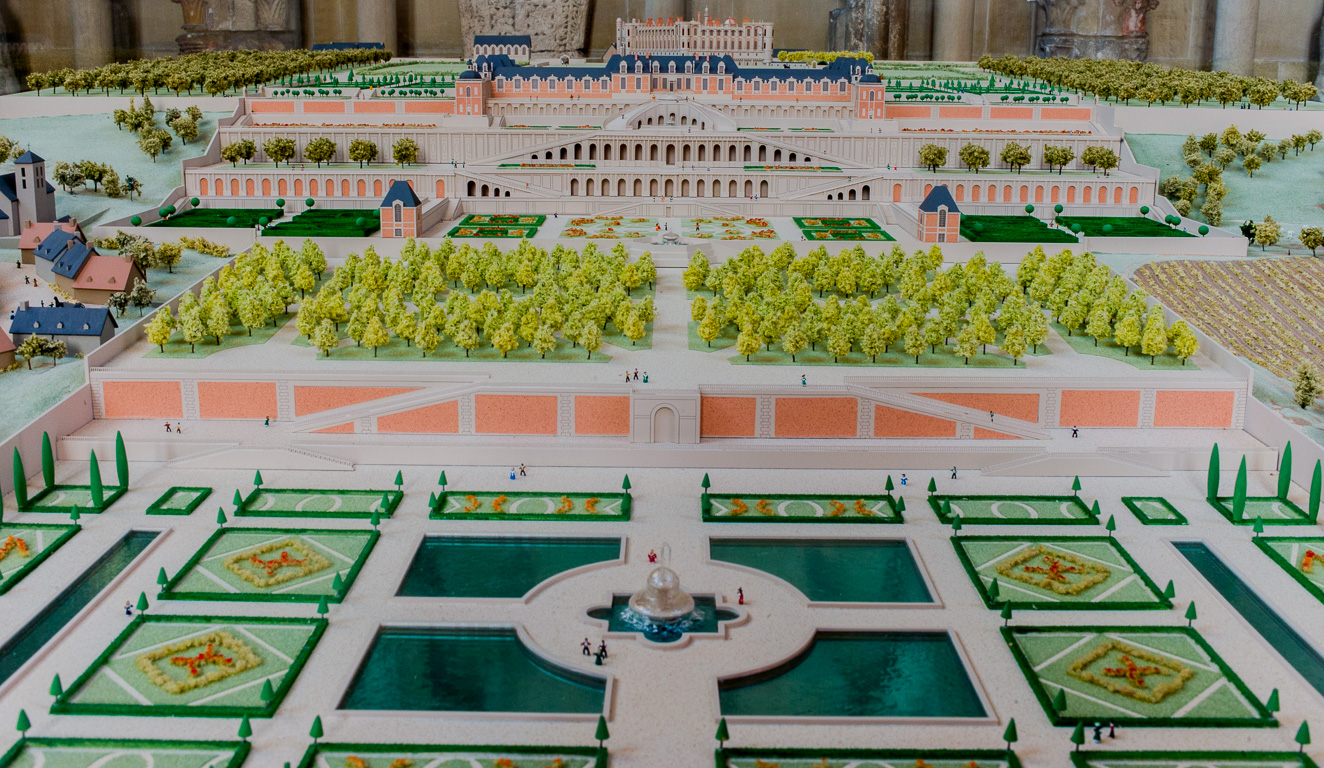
[[662, 600], [663, 612]]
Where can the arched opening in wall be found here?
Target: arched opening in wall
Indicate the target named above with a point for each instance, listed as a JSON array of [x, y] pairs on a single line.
[[650, 120], [685, 153], [927, 189], [620, 188], [864, 192], [685, 187], [777, 156], [1006, 194], [829, 195], [732, 189], [790, 158], [1025, 193], [312, 187], [992, 193], [1135, 195], [1071, 194], [574, 187], [638, 187], [665, 425], [593, 152], [507, 193], [1055, 195], [548, 155], [604, 188], [653, 153], [1039, 193], [730, 155], [652, 187], [699, 187], [638, 151], [266, 187], [849, 196], [960, 193], [671, 154], [330, 187], [749, 153], [669, 188], [202, 187], [763, 154], [234, 187], [1117, 195], [533, 156], [377, 188], [564, 154], [749, 188], [281, 188], [363, 188], [441, 188], [344, 187], [1087, 195], [896, 193], [1103, 195], [485, 191], [589, 187], [496, 191], [974, 193], [703, 152], [579, 152], [839, 196]]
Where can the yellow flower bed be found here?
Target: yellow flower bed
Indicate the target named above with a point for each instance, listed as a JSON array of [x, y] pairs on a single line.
[[1160, 666], [1051, 577], [249, 565], [242, 658]]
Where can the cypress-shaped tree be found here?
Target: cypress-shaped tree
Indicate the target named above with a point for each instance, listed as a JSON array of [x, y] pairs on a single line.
[[267, 693], [706, 484], [57, 688], [245, 728], [1211, 484], [1060, 700], [442, 480], [1272, 704], [220, 516], [257, 478], [723, 734], [121, 461], [399, 479], [1191, 615], [625, 484], [1285, 472], [316, 731], [47, 461], [161, 578], [1170, 591], [933, 485], [1111, 525], [322, 607], [94, 473], [20, 482], [888, 486], [1006, 614], [1075, 486], [1239, 493], [142, 602], [23, 722], [1316, 482]]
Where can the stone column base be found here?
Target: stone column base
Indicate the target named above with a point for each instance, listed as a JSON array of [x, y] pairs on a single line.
[[1071, 46]]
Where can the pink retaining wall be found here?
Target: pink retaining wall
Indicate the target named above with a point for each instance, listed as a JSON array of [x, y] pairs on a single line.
[[816, 417], [142, 400], [1017, 406], [596, 415], [1193, 409], [236, 399], [1100, 408], [438, 419], [893, 422], [339, 429], [317, 399], [727, 416], [515, 414], [988, 434]]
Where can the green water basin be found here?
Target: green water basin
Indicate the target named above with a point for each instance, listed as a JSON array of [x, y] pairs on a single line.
[[497, 566], [833, 570], [861, 674], [466, 670]]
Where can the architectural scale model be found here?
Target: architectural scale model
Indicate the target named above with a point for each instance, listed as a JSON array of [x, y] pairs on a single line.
[[697, 405]]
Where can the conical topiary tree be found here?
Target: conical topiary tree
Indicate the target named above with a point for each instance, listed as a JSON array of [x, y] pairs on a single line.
[[888, 486], [399, 479], [723, 734], [142, 602], [442, 480], [1285, 472], [220, 516], [1006, 614], [57, 688], [1191, 615], [601, 733], [1272, 704], [933, 485], [245, 729], [625, 484], [1211, 483], [1111, 525], [376, 519], [238, 500], [1316, 484], [267, 693], [23, 722], [337, 583], [20, 482], [322, 607], [1258, 528], [901, 504], [1078, 735], [316, 731], [161, 578], [993, 591], [1170, 591], [706, 484], [956, 525], [1009, 735], [432, 501], [1060, 700], [74, 515], [1075, 486], [1239, 493], [1303, 736], [257, 478]]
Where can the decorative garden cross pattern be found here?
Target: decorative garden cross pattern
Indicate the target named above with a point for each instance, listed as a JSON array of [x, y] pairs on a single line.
[[208, 656], [1060, 572], [276, 563], [11, 544], [1132, 672], [1055, 571]]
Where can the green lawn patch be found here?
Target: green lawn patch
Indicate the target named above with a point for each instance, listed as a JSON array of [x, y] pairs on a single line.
[[85, 753], [62, 498], [178, 500], [1144, 676], [272, 565], [847, 234], [452, 756], [1154, 510], [1085, 345], [754, 757], [24, 547], [530, 505], [1121, 226], [1303, 558], [398, 350], [1191, 759], [328, 222], [1014, 510], [318, 502], [830, 222], [219, 217], [239, 336], [1271, 509], [800, 508], [497, 226], [1010, 229], [493, 232], [194, 666], [1057, 573]]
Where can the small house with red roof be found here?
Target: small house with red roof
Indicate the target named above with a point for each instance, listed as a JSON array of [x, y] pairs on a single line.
[[35, 232], [6, 350]]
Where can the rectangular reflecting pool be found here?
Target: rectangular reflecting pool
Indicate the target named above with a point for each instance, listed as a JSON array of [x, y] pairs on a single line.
[[466, 670], [861, 674], [497, 566], [833, 570]]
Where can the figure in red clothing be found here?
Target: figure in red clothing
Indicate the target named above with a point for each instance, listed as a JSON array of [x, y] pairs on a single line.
[[740, 596], [652, 556]]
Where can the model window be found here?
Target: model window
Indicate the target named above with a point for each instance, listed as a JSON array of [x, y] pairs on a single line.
[[942, 217]]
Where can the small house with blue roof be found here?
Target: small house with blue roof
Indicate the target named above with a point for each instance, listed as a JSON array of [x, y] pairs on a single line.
[[401, 211], [939, 218], [81, 328]]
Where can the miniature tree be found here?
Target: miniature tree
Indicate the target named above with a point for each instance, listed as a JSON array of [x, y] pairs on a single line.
[[279, 149], [1170, 591], [1258, 527], [994, 591], [322, 607], [316, 731], [1271, 704], [1060, 700], [932, 156], [933, 486], [956, 524], [399, 479], [24, 724], [1111, 525], [601, 734], [975, 157], [404, 152], [1303, 736], [1211, 482], [888, 486], [376, 518], [57, 688], [325, 338], [1015, 156], [442, 480], [245, 729], [1075, 486], [161, 578], [362, 151], [47, 461], [220, 516], [97, 490], [1268, 232], [1239, 492], [1306, 386], [121, 461], [161, 328], [320, 150], [1009, 735], [1315, 484], [1285, 472], [20, 482], [1154, 339], [1190, 614], [142, 602], [1078, 735]]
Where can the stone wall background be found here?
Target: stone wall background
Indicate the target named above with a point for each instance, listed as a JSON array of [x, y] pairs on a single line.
[[1181, 31]]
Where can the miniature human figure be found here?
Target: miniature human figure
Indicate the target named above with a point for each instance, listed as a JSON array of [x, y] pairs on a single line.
[[1098, 732], [903, 478], [990, 416], [27, 280], [602, 648], [636, 374], [740, 596], [587, 647], [652, 556], [522, 473], [167, 426], [1112, 729], [657, 227], [803, 381], [128, 608], [266, 422], [599, 656], [512, 473], [1075, 431], [953, 473], [627, 374], [645, 377], [178, 431]]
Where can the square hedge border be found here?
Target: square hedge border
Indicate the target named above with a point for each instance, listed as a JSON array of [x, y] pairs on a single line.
[[1263, 543], [244, 511], [935, 503], [40, 557], [1082, 759], [1130, 502], [434, 512], [1223, 504], [110, 494], [1266, 719], [240, 748], [157, 507], [1163, 603], [897, 518], [63, 705], [724, 755], [168, 592], [309, 759]]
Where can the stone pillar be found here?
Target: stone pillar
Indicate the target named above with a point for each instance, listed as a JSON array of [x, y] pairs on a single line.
[[377, 23], [953, 30], [1234, 36], [93, 42]]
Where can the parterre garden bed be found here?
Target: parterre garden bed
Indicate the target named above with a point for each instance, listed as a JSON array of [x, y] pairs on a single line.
[[1303, 558], [328, 222], [529, 505], [606, 227], [1154, 510], [215, 218], [62, 498], [1010, 229], [24, 547], [1150, 676], [801, 508], [1013, 510], [273, 565], [728, 228], [179, 500], [487, 225], [849, 229], [449, 756], [309, 502], [118, 753], [194, 666], [1271, 510], [1057, 573], [753, 757]]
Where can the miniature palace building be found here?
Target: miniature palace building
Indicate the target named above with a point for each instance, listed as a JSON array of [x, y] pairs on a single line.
[[747, 41]]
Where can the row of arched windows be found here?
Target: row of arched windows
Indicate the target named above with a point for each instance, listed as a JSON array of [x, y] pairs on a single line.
[[672, 153], [639, 187]]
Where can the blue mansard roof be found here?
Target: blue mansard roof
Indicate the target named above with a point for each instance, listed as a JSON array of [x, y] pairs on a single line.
[[65, 320], [503, 40], [501, 65], [939, 196], [400, 192]]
